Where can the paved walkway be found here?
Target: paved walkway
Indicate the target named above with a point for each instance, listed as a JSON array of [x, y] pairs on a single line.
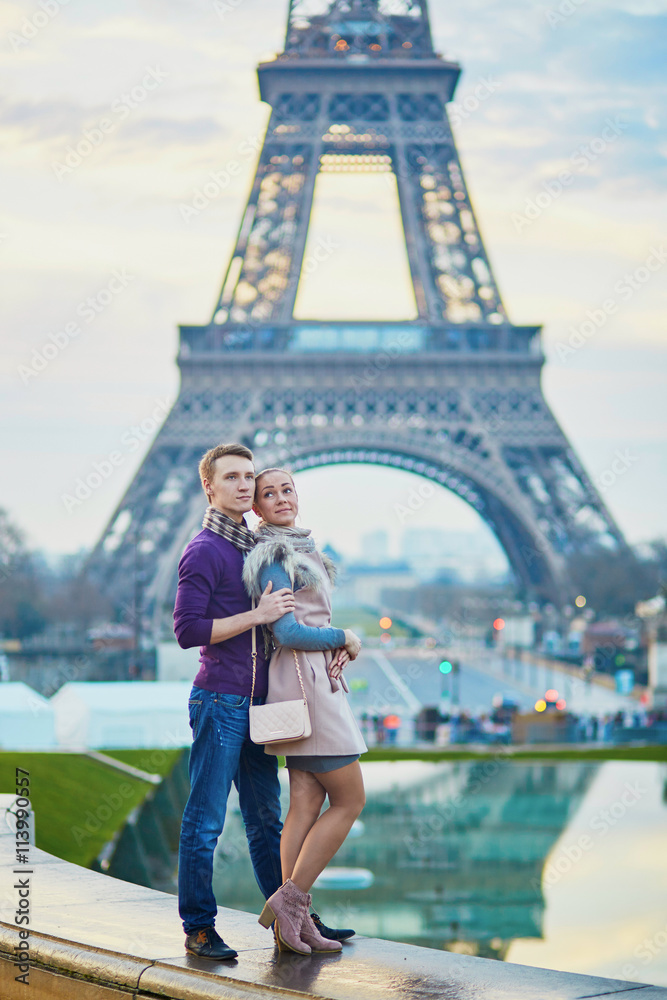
[[97, 938]]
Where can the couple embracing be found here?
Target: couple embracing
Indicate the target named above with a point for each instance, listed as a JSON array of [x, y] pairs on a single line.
[[255, 602]]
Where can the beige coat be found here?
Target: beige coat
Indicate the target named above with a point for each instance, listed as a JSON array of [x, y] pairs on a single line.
[[335, 730]]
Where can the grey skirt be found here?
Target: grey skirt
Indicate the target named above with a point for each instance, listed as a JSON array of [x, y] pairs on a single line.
[[319, 763]]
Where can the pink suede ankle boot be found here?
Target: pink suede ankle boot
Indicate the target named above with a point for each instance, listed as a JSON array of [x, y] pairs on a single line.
[[312, 937], [288, 907]]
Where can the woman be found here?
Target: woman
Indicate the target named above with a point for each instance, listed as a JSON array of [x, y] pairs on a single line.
[[327, 762]]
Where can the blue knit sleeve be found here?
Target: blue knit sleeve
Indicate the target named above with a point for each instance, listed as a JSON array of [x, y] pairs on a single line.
[[287, 630]]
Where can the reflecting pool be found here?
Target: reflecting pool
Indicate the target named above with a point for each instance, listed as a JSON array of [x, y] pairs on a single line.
[[561, 865]]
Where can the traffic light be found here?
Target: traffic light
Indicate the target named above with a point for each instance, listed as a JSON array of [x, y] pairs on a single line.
[[450, 680], [493, 634]]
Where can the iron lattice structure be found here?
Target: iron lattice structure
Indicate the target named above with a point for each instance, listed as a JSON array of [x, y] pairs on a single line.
[[453, 395]]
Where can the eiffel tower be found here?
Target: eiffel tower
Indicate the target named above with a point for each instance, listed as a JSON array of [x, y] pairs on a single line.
[[453, 395]]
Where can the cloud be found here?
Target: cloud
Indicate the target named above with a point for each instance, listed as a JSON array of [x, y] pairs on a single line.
[[41, 121]]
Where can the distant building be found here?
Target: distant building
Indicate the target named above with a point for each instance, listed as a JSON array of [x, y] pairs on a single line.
[[436, 553], [375, 548], [363, 585]]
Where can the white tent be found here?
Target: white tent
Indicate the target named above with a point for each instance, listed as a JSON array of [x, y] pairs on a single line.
[[26, 718], [176, 664], [119, 714]]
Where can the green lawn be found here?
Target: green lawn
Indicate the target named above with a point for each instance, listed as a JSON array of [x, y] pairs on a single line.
[[153, 761], [79, 803]]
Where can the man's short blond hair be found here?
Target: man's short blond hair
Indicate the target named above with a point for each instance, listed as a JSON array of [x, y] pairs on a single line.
[[207, 464]]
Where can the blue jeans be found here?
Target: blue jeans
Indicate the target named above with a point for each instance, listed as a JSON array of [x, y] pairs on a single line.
[[221, 753]]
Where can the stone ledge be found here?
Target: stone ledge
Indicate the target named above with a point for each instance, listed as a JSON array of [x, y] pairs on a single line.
[[97, 938]]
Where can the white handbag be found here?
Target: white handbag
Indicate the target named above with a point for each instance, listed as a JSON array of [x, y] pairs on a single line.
[[281, 721]]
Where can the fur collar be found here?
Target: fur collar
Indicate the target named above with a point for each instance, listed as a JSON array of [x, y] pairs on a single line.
[[298, 567]]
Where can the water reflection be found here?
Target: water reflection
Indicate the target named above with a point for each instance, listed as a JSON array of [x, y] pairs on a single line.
[[457, 851], [605, 882]]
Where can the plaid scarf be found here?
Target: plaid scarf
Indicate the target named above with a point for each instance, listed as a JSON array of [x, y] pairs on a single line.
[[239, 535]]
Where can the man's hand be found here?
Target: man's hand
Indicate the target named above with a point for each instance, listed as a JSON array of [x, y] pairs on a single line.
[[271, 606], [352, 643]]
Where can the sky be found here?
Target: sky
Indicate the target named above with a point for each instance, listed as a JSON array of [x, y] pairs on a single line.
[[100, 261]]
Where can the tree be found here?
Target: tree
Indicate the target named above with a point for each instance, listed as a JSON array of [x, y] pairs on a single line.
[[613, 581], [22, 611], [73, 597]]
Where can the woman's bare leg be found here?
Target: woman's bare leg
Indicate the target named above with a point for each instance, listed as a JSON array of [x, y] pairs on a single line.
[[345, 788], [306, 798]]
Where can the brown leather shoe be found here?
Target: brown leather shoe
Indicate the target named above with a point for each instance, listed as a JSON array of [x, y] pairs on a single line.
[[207, 943]]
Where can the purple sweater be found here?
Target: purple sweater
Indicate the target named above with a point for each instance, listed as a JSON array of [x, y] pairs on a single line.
[[210, 586]]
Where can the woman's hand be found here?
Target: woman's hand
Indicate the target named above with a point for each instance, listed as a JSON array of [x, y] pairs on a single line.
[[352, 643], [340, 660]]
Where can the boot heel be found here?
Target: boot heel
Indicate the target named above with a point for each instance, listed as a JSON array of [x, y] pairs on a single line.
[[284, 946], [267, 916], [279, 941]]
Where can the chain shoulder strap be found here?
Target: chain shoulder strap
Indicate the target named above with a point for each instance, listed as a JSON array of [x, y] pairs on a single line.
[[298, 670], [254, 655]]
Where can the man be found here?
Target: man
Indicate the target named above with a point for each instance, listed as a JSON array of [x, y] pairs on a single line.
[[214, 612]]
